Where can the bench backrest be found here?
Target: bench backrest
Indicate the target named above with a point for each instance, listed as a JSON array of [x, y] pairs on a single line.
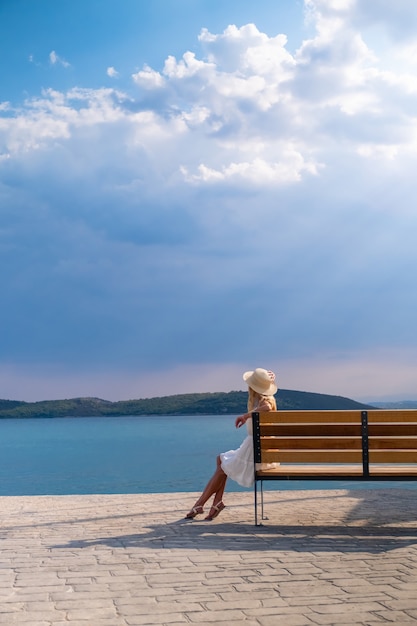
[[328, 437]]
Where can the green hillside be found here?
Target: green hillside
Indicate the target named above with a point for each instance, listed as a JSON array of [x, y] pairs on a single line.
[[231, 403], [9, 404]]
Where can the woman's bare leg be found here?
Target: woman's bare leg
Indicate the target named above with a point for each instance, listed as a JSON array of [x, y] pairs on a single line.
[[215, 485], [218, 505], [218, 497]]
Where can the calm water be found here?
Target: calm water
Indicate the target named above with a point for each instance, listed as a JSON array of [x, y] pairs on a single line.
[[120, 455]]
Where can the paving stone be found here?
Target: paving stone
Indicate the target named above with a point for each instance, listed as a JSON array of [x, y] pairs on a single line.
[[323, 558], [160, 620], [398, 617], [289, 620], [348, 618], [211, 617], [102, 621]]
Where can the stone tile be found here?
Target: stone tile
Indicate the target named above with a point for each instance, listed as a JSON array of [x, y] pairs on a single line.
[[322, 558]]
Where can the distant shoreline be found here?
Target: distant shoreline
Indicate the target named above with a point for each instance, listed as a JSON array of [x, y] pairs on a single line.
[[217, 403]]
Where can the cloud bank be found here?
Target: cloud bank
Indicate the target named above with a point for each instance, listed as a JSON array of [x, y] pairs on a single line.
[[235, 208]]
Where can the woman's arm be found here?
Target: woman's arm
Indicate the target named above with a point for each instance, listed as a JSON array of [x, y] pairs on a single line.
[[263, 407], [241, 419]]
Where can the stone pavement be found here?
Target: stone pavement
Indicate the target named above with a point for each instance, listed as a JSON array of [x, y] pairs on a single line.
[[322, 558]]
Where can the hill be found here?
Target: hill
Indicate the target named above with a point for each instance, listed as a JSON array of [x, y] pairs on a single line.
[[220, 403]]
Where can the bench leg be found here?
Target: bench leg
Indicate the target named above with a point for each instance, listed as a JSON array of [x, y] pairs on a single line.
[[256, 502], [262, 501]]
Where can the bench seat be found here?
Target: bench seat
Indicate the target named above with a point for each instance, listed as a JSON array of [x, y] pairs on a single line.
[[324, 472]]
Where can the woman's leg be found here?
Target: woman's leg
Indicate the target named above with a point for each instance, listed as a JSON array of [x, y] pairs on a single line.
[[215, 485], [218, 505], [220, 490]]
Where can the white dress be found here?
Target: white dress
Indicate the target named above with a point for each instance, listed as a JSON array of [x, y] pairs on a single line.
[[238, 464]]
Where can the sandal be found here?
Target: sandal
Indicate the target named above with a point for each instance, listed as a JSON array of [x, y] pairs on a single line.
[[217, 509], [196, 510]]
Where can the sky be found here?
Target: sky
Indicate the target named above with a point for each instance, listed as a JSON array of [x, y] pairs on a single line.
[[193, 189]]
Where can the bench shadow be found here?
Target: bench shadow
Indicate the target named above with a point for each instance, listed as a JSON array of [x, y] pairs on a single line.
[[372, 507], [231, 537], [377, 522]]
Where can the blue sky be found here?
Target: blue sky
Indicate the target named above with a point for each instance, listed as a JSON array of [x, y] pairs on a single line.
[[191, 189]]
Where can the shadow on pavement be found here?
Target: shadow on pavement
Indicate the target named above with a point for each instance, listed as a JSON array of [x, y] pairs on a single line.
[[227, 536]]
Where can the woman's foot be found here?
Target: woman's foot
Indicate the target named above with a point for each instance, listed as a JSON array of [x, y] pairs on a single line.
[[214, 511], [196, 510]]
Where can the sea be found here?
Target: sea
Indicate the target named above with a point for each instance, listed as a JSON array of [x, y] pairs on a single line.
[[117, 455]]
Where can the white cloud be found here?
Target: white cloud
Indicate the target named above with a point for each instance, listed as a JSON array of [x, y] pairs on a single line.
[[148, 78], [257, 172], [54, 116], [112, 72], [187, 67], [266, 97], [55, 59]]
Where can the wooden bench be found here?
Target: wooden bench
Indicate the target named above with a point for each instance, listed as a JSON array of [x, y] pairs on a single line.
[[370, 445]]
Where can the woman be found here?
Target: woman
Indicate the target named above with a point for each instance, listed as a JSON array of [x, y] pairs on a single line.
[[238, 464]]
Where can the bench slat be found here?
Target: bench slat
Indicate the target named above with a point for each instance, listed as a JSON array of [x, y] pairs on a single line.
[[313, 470], [313, 430], [323, 417], [312, 456], [393, 456], [317, 472], [310, 443], [338, 456], [391, 472], [395, 415], [393, 443], [342, 430], [355, 471], [309, 417], [392, 429], [337, 443]]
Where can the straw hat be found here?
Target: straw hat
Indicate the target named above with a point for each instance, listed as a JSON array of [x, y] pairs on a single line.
[[262, 381]]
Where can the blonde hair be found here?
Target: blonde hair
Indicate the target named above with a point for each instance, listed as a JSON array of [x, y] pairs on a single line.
[[254, 399]]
